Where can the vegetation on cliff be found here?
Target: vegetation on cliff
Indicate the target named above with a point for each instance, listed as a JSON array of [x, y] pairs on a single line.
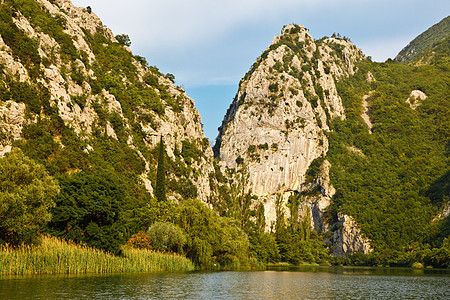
[[397, 182]]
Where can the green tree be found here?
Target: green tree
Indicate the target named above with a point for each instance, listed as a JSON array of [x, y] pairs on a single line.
[[241, 199], [26, 197], [123, 39], [166, 236], [211, 237], [90, 210], [160, 191]]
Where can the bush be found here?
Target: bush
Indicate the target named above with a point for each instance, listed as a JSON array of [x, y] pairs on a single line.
[[139, 240], [166, 237], [273, 87], [210, 236]]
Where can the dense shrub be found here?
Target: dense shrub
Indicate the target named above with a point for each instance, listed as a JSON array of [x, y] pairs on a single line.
[[26, 197], [89, 210], [166, 237], [387, 190], [123, 39]]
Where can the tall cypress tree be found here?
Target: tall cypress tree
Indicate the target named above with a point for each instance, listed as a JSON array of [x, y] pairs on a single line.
[[160, 191]]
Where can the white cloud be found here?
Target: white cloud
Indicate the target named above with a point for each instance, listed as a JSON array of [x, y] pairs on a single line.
[[172, 23], [216, 41]]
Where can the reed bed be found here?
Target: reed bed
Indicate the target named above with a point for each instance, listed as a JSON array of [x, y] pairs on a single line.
[[55, 256]]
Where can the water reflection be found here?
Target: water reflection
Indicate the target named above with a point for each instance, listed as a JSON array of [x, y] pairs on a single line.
[[298, 283]]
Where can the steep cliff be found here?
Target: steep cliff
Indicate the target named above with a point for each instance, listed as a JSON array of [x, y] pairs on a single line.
[[278, 122], [74, 97]]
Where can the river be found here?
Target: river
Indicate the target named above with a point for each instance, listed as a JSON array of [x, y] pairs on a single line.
[[281, 283]]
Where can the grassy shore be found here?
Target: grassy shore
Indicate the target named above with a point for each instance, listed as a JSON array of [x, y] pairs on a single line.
[[54, 256]]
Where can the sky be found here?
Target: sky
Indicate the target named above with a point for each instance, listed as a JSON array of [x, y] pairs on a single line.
[[209, 45]]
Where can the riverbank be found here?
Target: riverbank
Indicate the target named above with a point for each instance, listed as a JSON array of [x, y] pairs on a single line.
[[55, 256]]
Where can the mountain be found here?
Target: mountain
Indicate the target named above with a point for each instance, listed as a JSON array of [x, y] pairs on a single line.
[[278, 122], [424, 41], [71, 91], [355, 148], [75, 99]]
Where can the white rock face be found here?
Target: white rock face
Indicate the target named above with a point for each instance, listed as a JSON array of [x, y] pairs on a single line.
[[348, 238], [365, 113], [279, 131], [415, 98], [277, 122], [11, 123]]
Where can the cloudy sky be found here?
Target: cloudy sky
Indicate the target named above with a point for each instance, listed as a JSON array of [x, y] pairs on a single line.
[[210, 44]]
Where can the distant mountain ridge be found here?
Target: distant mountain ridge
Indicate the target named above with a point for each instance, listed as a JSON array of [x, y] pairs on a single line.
[[425, 40]]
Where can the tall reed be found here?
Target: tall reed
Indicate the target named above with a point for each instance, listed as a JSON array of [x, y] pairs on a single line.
[[55, 256]]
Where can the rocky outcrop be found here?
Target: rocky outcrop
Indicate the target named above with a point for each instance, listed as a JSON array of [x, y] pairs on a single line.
[[277, 122], [415, 98], [365, 113], [11, 123], [347, 238], [276, 126]]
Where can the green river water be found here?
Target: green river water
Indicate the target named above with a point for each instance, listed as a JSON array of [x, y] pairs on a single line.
[[277, 283]]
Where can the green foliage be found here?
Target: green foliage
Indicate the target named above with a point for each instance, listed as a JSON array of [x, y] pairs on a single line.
[[222, 237], [42, 20], [89, 210], [151, 79], [123, 39], [391, 190], [26, 197], [184, 187], [170, 76], [160, 189], [23, 47], [314, 169], [240, 199], [266, 248], [437, 55], [418, 256], [264, 146], [26, 93], [251, 148], [166, 236], [297, 242], [190, 152]]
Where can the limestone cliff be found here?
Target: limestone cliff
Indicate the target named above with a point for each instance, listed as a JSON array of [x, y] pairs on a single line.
[[59, 62], [277, 123]]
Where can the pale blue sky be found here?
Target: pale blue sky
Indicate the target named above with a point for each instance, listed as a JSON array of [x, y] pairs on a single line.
[[209, 44]]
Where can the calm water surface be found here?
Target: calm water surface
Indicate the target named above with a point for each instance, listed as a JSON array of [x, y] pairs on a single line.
[[290, 283]]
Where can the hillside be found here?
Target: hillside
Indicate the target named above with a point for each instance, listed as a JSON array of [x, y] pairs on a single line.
[[77, 101], [424, 41], [357, 149]]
